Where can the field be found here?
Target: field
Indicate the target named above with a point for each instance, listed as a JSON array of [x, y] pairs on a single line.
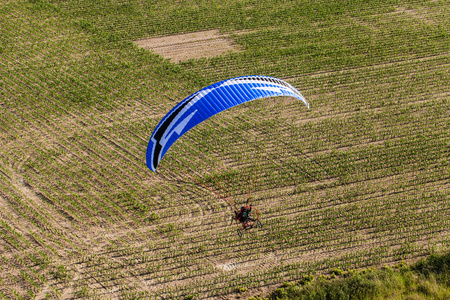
[[361, 179]]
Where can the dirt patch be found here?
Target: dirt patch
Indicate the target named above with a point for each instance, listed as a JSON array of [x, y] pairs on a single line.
[[182, 47], [233, 265]]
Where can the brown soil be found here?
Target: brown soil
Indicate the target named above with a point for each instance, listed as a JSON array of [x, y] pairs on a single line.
[[187, 46]]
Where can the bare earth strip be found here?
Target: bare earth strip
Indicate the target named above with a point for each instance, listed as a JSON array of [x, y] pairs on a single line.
[[187, 46]]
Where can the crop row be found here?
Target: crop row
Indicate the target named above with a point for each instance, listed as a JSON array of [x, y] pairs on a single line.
[[330, 182]]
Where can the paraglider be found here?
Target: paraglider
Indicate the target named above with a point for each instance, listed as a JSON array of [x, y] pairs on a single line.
[[248, 217], [245, 218], [209, 101], [202, 105]]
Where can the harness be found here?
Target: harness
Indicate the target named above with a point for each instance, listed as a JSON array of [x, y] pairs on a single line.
[[244, 210]]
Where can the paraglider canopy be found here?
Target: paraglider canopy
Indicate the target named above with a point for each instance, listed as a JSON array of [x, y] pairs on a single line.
[[209, 101]]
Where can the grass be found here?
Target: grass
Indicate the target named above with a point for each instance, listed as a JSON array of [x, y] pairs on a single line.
[[426, 279], [358, 181]]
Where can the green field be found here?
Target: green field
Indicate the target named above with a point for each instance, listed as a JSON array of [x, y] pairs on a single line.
[[361, 179]]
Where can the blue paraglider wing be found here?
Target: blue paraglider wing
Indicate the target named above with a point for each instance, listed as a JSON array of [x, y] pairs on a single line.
[[209, 101]]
